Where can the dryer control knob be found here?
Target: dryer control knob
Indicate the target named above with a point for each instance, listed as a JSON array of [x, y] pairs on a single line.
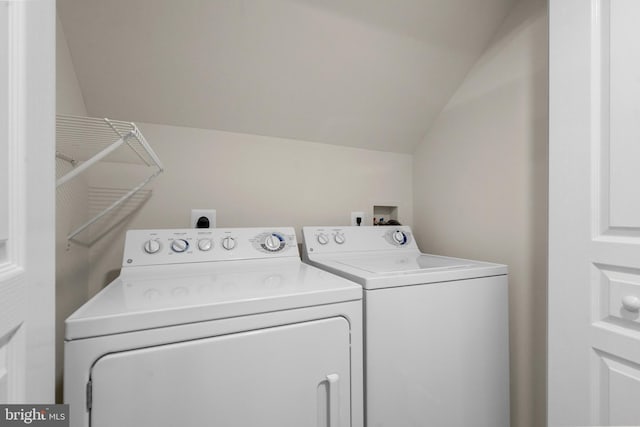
[[399, 237], [205, 244], [179, 245], [228, 243], [339, 238], [151, 246], [323, 239], [274, 242]]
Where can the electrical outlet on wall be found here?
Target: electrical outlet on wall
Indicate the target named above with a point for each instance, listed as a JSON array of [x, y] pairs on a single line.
[[355, 216], [200, 218]]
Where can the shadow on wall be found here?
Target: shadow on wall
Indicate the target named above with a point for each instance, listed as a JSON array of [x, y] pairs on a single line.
[[481, 187]]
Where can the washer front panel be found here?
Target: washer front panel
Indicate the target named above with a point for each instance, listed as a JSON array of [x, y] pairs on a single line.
[[438, 354]]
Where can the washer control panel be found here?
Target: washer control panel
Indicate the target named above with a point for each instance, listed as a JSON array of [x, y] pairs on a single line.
[[156, 247], [352, 239], [398, 237]]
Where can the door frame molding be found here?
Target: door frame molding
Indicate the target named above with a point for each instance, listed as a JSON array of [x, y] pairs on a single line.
[[27, 250]]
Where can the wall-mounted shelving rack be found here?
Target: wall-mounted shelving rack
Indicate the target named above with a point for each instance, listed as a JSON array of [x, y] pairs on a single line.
[[83, 142]]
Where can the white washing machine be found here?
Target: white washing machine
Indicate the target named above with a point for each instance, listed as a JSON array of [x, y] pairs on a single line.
[[221, 327], [436, 328]]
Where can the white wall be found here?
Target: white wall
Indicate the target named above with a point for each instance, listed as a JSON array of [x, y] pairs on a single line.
[[251, 180], [255, 181], [480, 187], [478, 183], [72, 261]]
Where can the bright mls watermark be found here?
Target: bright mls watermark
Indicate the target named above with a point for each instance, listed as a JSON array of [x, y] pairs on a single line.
[[34, 415]]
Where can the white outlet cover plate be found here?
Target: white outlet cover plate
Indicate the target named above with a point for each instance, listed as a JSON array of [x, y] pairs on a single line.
[[355, 215]]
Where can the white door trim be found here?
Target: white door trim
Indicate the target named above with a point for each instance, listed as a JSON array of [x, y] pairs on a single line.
[[594, 214], [13, 281], [27, 272]]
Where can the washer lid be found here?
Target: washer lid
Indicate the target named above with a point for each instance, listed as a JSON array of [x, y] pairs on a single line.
[[404, 263], [160, 296], [388, 269]]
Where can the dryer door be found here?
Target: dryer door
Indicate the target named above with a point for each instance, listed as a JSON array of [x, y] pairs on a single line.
[[294, 375]]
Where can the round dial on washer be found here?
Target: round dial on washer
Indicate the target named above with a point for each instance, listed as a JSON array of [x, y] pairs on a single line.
[[323, 239], [339, 238], [399, 237], [205, 244], [228, 243], [179, 245], [274, 242], [151, 246]]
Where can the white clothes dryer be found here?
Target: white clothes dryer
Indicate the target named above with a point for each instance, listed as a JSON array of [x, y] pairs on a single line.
[[219, 327], [436, 328]]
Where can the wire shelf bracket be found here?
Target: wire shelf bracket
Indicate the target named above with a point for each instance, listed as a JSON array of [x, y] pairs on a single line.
[[83, 142]]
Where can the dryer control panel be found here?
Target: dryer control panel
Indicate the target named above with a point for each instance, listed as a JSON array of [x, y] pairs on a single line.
[[322, 240], [157, 247]]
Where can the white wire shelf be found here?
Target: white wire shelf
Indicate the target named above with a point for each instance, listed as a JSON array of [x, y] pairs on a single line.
[[105, 219], [82, 142]]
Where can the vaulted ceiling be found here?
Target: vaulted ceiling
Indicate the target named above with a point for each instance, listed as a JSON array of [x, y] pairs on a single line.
[[362, 73]]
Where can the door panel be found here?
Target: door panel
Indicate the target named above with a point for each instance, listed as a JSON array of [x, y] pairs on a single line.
[[283, 376], [622, 86], [615, 284], [619, 388], [594, 226], [11, 366]]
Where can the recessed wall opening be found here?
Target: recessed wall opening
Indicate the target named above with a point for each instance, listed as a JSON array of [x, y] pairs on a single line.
[[383, 214]]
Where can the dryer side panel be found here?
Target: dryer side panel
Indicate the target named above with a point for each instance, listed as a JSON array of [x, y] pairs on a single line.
[[294, 375]]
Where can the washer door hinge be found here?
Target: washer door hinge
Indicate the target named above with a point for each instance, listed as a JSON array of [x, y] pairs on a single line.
[[89, 394]]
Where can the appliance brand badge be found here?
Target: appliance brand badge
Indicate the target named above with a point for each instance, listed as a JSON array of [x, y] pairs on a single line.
[[34, 415]]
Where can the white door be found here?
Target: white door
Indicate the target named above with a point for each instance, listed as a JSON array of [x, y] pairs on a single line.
[[288, 376], [27, 120], [594, 223]]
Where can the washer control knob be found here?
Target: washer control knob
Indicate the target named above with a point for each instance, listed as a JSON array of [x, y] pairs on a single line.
[[151, 246], [228, 243], [339, 238], [323, 239], [273, 242], [205, 244], [399, 237], [179, 245]]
